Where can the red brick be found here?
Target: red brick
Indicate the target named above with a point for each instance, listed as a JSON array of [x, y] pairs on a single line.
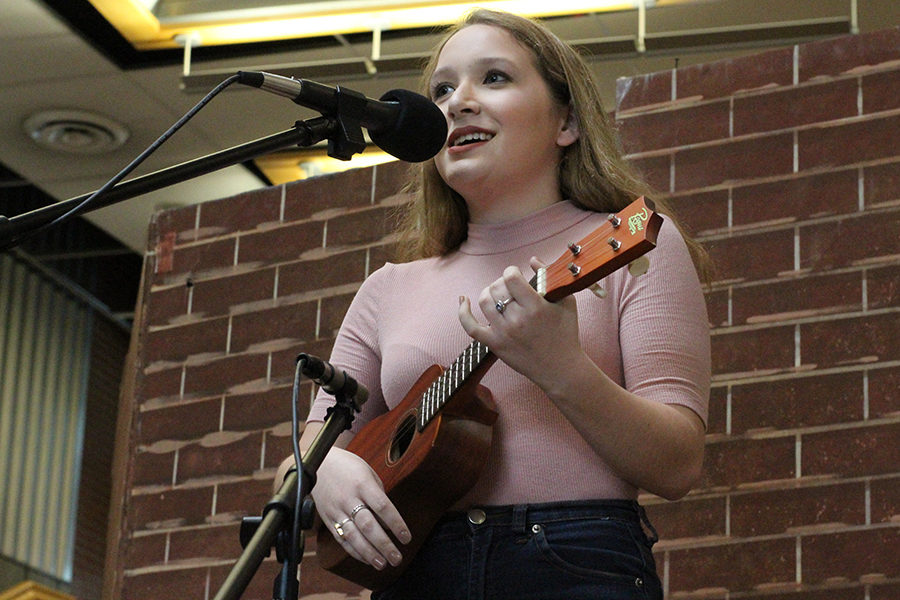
[[196, 258], [701, 211], [836, 591], [181, 421], [643, 90], [159, 384], [884, 392], [240, 456], [212, 541], [882, 183], [798, 402], [780, 511], [656, 170], [732, 463], [218, 376], [292, 321], [756, 350], [391, 178], [836, 56], [184, 506], [717, 303], [166, 304], [884, 591], [848, 144], [187, 583], [244, 212], [783, 109], [213, 297], [797, 297], [350, 189], [153, 468], [284, 361], [333, 311], [688, 518], [718, 410], [885, 500], [280, 244], [246, 498], [263, 410], [731, 76], [179, 342], [851, 555], [880, 91], [848, 341], [883, 287], [753, 256], [278, 447], [797, 198], [357, 228], [145, 550], [733, 567], [333, 270], [734, 160], [849, 240], [672, 128], [182, 221], [853, 452]]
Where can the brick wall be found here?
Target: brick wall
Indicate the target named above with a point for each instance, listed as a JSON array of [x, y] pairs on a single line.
[[786, 164]]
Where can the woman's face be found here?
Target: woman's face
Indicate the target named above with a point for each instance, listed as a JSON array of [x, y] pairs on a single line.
[[505, 130]]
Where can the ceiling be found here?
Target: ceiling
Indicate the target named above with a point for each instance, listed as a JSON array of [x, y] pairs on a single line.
[[62, 55]]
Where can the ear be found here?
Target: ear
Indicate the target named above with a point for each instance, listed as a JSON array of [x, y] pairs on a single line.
[[569, 131]]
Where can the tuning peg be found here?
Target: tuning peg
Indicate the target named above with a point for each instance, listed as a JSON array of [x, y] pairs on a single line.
[[598, 290], [639, 266]]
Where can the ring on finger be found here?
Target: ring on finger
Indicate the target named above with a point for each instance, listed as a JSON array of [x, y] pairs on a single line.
[[501, 305], [339, 525], [358, 508]]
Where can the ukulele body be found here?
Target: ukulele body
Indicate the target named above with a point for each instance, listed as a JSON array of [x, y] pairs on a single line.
[[424, 472]]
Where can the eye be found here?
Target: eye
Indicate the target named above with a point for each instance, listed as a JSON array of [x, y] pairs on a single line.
[[494, 76], [439, 90]]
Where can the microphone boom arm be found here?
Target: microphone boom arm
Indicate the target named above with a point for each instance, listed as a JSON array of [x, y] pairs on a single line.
[[304, 133]]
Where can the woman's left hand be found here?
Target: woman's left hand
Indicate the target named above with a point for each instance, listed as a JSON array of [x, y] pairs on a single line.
[[524, 330]]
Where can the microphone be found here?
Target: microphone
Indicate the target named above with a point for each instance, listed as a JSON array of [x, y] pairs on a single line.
[[334, 381], [402, 123]]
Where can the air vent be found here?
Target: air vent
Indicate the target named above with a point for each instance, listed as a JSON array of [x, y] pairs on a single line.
[[75, 132]]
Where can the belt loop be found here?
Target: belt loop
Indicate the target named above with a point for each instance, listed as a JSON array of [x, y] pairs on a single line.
[[654, 536], [520, 518]]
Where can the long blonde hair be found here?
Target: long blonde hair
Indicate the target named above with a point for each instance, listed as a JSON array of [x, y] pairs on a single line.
[[592, 172]]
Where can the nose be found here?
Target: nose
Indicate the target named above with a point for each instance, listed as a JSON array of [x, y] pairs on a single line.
[[463, 100]]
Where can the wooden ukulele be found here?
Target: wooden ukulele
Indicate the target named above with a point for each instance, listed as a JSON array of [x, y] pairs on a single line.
[[429, 449]]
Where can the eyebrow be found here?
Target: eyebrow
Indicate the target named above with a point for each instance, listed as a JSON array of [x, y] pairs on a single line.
[[481, 62]]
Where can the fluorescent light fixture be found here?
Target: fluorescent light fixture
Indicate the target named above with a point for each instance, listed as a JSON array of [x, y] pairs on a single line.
[[137, 23]]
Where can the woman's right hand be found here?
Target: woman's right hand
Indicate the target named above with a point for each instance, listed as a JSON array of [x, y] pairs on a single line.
[[344, 483]]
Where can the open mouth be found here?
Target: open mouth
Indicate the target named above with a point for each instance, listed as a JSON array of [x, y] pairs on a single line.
[[471, 138]]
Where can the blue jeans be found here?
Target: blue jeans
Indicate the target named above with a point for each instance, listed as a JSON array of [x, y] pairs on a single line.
[[567, 551]]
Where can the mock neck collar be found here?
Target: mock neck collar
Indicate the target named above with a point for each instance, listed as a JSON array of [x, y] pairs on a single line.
[[496, 238]]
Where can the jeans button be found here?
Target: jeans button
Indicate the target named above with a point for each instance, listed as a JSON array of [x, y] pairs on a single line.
[[535, 529], [477, 516]]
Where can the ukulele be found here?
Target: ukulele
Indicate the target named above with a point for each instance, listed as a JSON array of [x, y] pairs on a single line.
[[423, 449]]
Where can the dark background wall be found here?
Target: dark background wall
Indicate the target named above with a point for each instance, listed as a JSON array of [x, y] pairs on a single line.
[[785, 164]]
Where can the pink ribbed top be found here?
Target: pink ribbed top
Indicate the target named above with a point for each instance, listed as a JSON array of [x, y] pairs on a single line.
[[650, 335]]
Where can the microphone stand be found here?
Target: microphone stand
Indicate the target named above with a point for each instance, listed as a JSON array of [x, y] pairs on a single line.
[[274, 527], [343, 131]]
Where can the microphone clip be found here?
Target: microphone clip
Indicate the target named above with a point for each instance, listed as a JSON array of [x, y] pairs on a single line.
[[349, 113]]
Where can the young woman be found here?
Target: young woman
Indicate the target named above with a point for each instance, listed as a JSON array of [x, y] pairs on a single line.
[[597, 398]]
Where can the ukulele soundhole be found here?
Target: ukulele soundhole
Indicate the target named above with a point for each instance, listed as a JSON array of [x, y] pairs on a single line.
[[403, 437]]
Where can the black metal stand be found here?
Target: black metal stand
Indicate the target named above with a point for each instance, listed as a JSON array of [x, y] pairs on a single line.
[[275, 525], [344, 135]]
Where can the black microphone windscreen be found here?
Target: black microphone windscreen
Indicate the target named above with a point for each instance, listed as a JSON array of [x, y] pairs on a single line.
[[419, 132]]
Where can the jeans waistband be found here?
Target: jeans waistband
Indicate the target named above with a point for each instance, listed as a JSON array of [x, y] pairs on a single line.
[[521, 516]]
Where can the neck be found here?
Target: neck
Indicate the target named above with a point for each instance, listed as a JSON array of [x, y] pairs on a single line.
[[490, 206]]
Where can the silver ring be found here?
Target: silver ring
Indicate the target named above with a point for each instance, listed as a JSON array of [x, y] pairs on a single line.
[[501, 305], [356, 509], [339, 525]]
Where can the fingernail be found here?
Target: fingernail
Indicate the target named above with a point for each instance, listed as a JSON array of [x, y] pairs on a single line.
[[461, 300], [379, 563], [405, 537], [396, 559]]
